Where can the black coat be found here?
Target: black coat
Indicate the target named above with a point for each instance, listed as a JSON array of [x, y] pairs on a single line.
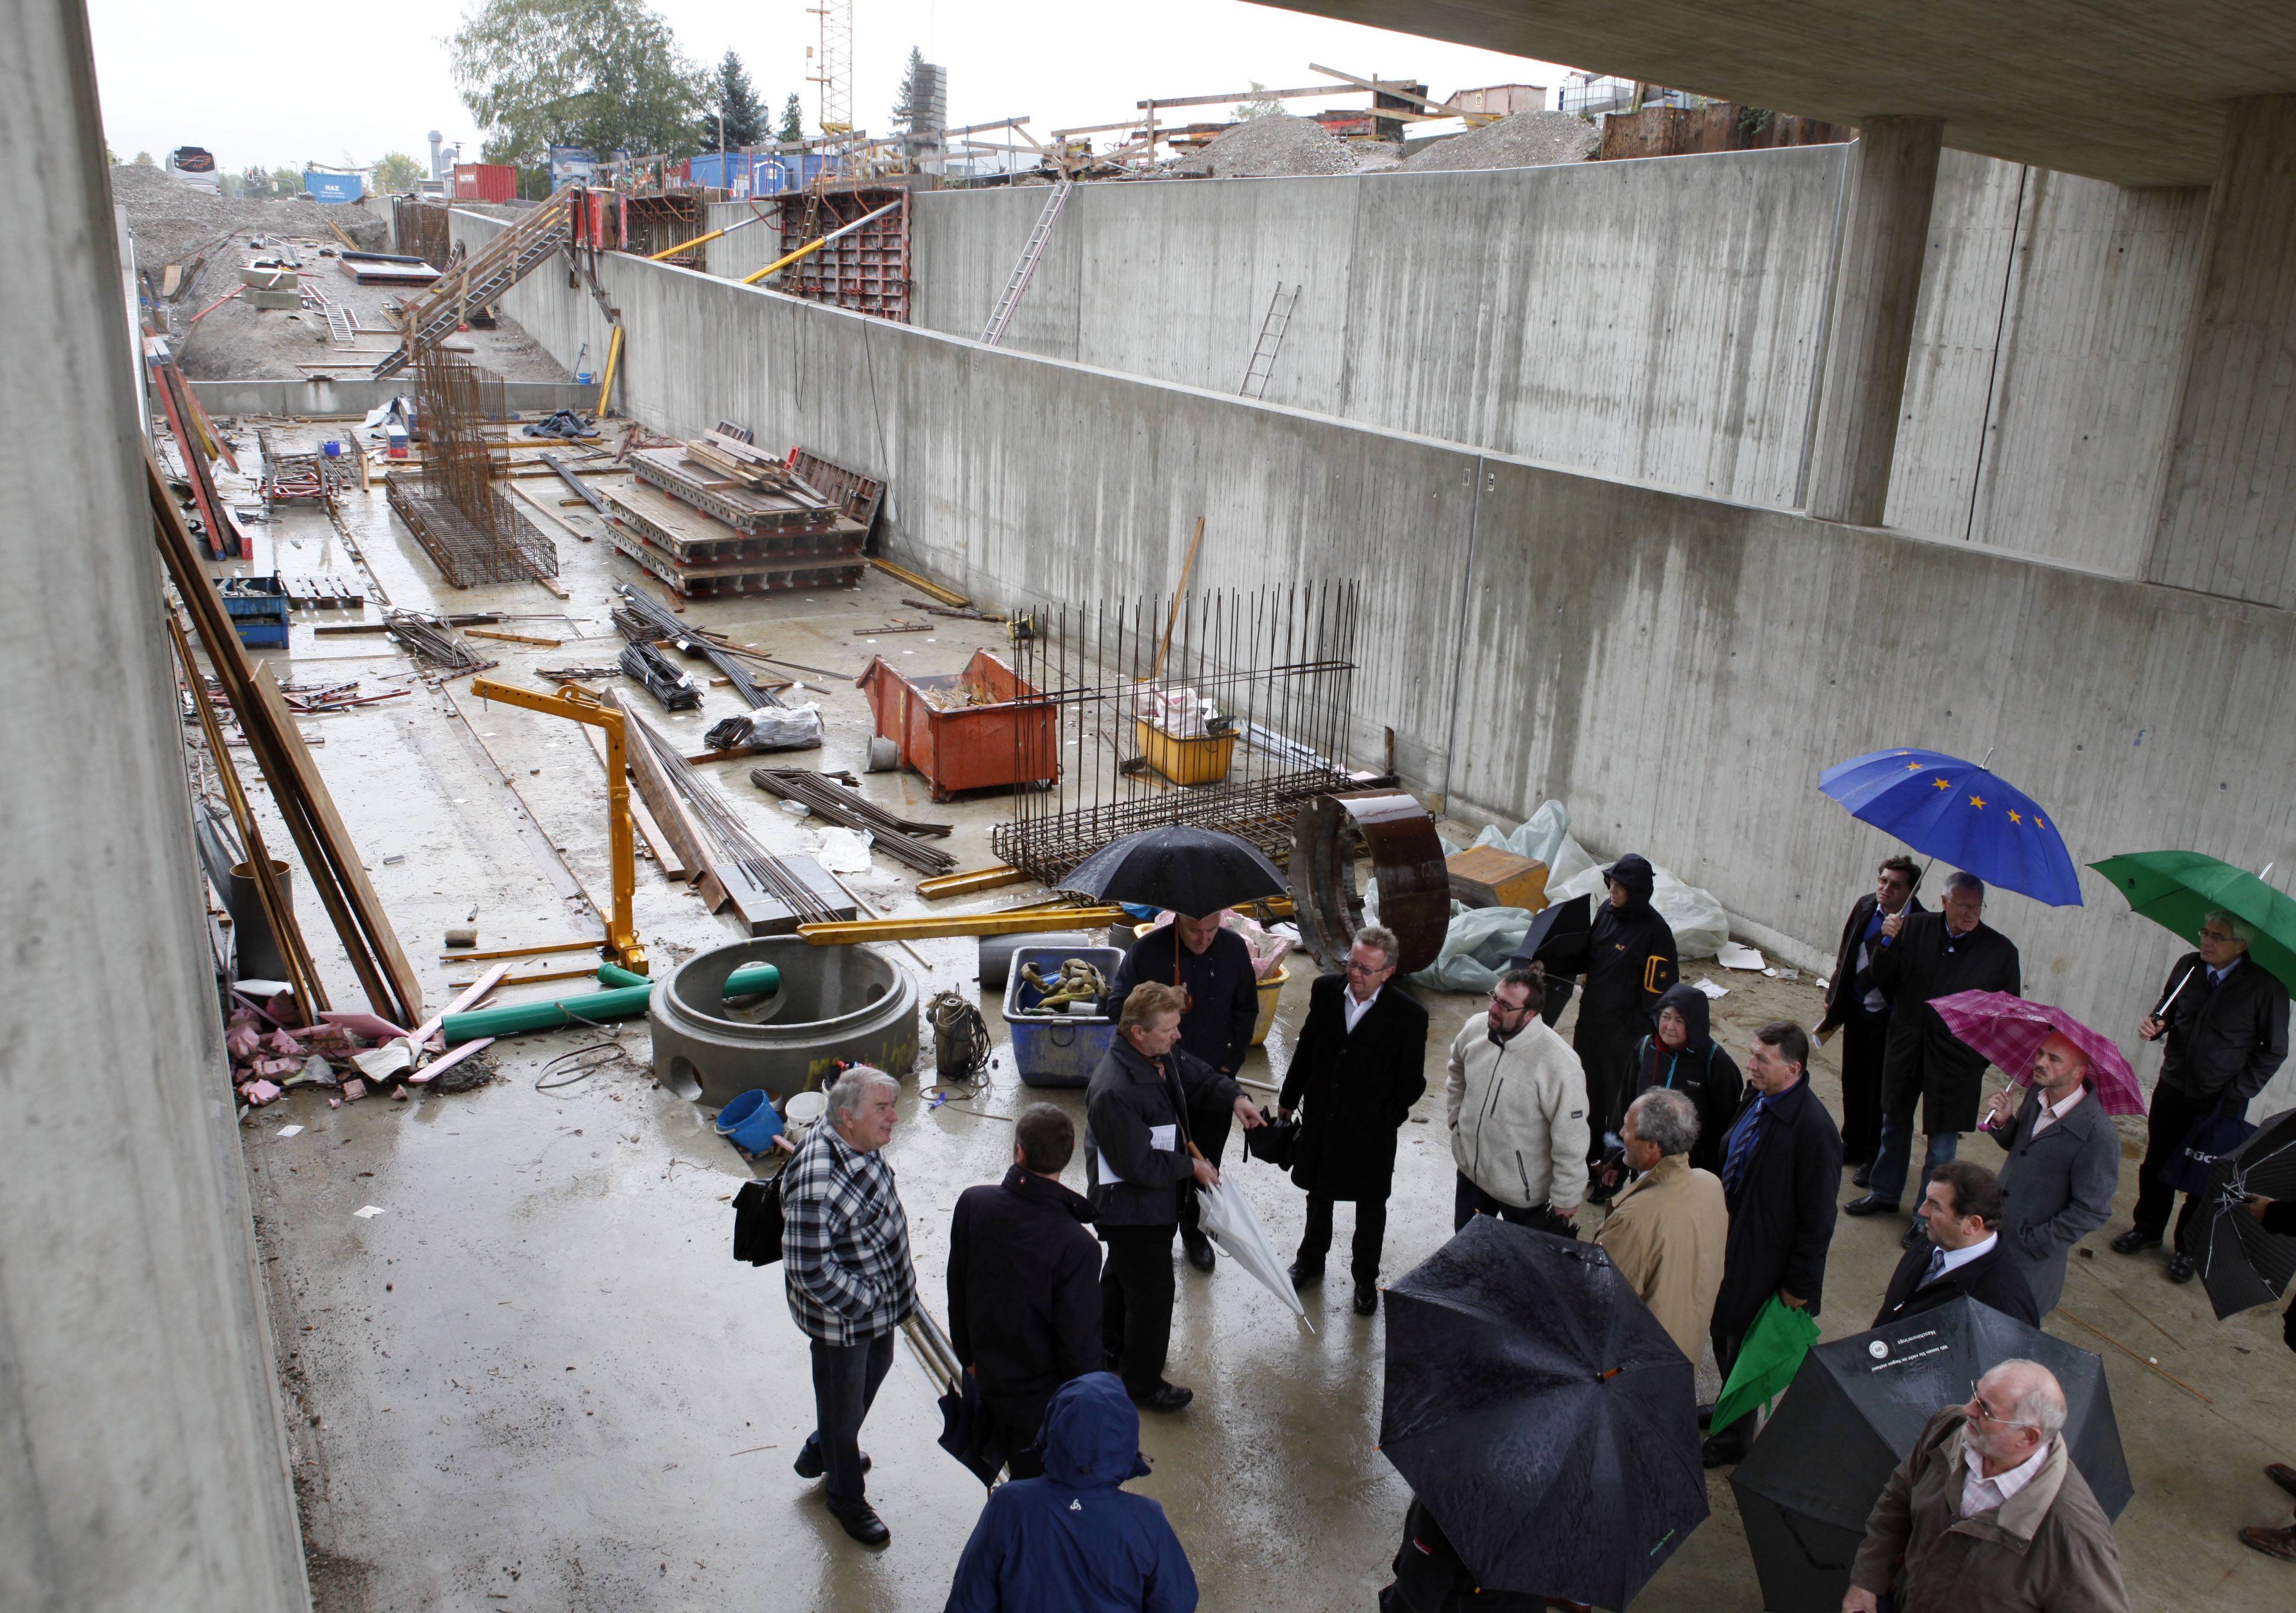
[[1922, 964], [2223, 1041], [1223, 992], [1023, 1288], [1701, 1071], [1630, 962], [1126, 1104], [1782, 1213], [1992, 1279], [1354, 1090], [1840, 999]]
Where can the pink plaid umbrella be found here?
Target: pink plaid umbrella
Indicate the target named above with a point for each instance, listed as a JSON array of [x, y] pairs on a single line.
[[2009, 1031]]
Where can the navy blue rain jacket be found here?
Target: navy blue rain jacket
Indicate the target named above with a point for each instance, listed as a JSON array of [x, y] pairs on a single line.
[[1074, 1540]]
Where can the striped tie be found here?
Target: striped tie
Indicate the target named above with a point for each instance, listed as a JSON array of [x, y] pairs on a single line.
[[1935, 1270], [1741, 1148]]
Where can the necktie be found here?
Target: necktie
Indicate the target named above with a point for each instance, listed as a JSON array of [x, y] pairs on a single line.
[[1742, 1149], [1936, 1269]]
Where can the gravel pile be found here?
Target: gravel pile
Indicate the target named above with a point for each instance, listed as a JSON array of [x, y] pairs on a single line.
[[1261, 148], [171, 220], [1526, 140]]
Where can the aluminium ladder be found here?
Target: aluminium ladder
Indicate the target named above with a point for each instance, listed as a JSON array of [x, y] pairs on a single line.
[[1277, 321], [1001, 317]]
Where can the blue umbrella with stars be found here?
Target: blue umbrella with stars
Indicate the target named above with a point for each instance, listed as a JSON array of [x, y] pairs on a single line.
[[1960, 812]]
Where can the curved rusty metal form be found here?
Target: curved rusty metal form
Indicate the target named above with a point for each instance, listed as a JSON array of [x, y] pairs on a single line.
[[1414, 888]]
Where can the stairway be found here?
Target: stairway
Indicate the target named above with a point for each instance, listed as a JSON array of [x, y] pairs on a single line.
[[479, 281]]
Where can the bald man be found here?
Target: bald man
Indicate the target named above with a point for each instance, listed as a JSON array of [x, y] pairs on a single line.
[[2063, 1164], [1988, 1514]]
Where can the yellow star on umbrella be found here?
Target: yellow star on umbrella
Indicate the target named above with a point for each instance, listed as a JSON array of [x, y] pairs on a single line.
[[1942, 784], [1913, 766], [2015, 816], [1976, 800]]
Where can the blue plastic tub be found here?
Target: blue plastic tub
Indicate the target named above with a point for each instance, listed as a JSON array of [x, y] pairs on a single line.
[[1057, 1049], [749, 1122]]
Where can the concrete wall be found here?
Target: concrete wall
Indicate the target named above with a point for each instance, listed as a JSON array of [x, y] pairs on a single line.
[[1654, 321], [141, 1461], [1678, 669]]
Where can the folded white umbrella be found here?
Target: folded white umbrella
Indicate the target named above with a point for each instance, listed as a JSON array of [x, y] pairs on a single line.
[[1228, 1220]]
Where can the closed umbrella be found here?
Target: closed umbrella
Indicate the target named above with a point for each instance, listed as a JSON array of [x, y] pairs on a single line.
[[1810, 1481], [2241, 1264], [2009, 1032], [1962, 812], [1227, 1219], [2177, 889], [1195, 872], [1767, 1360], [1542, 1415]]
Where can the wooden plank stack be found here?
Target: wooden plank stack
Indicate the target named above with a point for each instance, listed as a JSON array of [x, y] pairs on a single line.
[[716, 516]]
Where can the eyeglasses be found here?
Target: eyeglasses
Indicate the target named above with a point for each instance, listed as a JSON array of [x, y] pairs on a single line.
[[1505, 1007], [1978, 1406], [1366, 971]]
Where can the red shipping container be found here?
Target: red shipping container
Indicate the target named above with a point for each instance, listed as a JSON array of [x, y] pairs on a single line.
[[485, 181]]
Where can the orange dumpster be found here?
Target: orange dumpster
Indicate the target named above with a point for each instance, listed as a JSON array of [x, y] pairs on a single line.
[[979, 729]]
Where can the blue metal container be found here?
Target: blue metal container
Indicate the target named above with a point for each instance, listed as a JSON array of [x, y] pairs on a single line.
[[1057, 1049]]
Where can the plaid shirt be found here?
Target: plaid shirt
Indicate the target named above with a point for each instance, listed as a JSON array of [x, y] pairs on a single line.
[[845, 1242]]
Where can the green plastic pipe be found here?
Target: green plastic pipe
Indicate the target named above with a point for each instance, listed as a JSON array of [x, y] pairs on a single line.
[[624, 1004], [751, 979]]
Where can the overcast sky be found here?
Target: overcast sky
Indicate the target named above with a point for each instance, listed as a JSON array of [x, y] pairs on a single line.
[[284, 87]]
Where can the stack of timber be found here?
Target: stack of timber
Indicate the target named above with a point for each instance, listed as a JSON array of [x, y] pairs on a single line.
[[715, 516]]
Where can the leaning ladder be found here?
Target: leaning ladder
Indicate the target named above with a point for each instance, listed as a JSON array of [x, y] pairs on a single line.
[[1001, 316], [1271, 337]]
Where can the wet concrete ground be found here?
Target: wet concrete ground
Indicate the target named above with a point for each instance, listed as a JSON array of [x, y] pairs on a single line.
[[537, 1379]]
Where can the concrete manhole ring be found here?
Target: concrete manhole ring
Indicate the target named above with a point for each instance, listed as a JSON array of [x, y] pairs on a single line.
[[835, 1003]]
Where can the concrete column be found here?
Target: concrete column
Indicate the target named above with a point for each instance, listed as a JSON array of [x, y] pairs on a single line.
[[142, 1461], [2228, 502], [1884, 238]]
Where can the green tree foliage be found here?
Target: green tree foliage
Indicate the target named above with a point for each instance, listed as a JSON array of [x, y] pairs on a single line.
[[904, 109], [606, 74], [731, 96], [792, 120], [398, 173], [1258, 106], [286, 182], [143, 158]]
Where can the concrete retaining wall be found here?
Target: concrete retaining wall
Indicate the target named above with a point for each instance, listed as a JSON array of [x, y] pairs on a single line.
[[1678, 669]]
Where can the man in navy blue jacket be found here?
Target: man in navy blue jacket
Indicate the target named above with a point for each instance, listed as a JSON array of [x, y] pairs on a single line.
[[1074, 1540]]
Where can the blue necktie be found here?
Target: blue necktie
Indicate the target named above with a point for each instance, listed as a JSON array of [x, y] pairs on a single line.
[[1936, 1269], [1742, 1147]]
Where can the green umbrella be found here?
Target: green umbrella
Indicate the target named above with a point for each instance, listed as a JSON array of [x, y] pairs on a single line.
[[2177, 889], [1771, 1355]]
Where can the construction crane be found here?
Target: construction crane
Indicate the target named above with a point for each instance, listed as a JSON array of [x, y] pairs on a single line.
[[833, 65]]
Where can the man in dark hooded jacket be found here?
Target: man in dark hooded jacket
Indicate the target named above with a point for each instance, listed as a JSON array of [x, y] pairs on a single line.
[[1074, 1540], [1681, 1055], [1630, 963]]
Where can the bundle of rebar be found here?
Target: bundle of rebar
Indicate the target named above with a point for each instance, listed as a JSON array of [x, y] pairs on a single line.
[[825, 797], [455, 511], [643, 607], [725, 832], [675, 689], [429, 639]]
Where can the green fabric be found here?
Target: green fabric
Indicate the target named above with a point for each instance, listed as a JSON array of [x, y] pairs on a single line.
[[1767, 1361], [2177, 889]]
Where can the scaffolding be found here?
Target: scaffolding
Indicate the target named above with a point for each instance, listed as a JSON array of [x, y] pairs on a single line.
[[1228, 711], [454, 510]]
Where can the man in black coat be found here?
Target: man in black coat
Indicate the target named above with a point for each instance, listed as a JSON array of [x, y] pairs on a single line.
[[1139, 1157], [1857, 1007], [1630, 960], [1781, 1172], [1213, 965], [2227, 1022], [1925, 956], [1024, 1284], [1963, 1255], [1358, 1067]]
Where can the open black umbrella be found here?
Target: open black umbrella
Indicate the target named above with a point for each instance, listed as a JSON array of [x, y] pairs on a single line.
[[1540, 1411], [1557, 939], [2243, 1265], [1196, 871], [1851, 1416]]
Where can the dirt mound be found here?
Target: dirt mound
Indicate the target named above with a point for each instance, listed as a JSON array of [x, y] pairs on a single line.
[[1526, 140], [1261, 148], [171, 220]]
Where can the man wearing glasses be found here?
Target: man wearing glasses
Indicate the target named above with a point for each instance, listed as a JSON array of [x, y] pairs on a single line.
[[1988, 1512], [1515, 1101], [2227, 1022]]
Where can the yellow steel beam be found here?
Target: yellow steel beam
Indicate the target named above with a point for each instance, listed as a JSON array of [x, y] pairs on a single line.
[[944, 885], [928, 928], [613, 360], [811, 247]]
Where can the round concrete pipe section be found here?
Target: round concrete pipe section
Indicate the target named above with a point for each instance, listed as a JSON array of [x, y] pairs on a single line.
[[1393, 829], [835, 1003]]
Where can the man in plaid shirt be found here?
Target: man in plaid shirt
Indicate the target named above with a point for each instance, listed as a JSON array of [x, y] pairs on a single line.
[[845, 1246]]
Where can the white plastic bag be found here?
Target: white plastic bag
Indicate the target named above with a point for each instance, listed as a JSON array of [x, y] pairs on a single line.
[[1476, 948]]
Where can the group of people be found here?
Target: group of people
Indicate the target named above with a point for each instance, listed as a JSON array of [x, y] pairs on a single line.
[[1722, 1189]]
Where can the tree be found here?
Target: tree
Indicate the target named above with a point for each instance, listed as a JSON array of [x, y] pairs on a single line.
[[1258, 106], [606, 74], [143, 158], [397, 172], [286, 182], [792, 120], [735, 103], [905, 110]]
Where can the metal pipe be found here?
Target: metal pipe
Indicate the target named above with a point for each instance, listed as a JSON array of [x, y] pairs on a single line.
[[811, 247]]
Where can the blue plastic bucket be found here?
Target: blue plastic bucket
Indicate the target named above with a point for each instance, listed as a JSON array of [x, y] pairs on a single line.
[[749, 1122], [582, 378], [334, 450]]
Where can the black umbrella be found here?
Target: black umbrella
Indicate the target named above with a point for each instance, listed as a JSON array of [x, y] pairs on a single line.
[[1557, 939], [1852, 1413], [1196, 871], [969, 1434], [1542, 1415], [2243, 1265]]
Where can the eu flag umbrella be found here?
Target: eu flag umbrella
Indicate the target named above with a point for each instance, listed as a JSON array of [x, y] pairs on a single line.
[[1541, 1413], [1960, 814], [1819, 1464], [2177, 889], [2243, 1265]]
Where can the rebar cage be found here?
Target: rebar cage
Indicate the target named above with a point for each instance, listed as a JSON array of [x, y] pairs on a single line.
[[457, 512], [1224, 712]]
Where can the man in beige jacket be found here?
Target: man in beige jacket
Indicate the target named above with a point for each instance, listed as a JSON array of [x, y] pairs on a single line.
[[1988, 1514], [1515, 1101], [1667, 1230]]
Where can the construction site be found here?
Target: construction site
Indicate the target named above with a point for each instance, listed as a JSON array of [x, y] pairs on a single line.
[[512, 693]]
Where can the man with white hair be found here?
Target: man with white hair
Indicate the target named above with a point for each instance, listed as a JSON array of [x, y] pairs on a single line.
[[1988, 1513], [845, 1246], [2225, 1020], [1667, 1228]]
